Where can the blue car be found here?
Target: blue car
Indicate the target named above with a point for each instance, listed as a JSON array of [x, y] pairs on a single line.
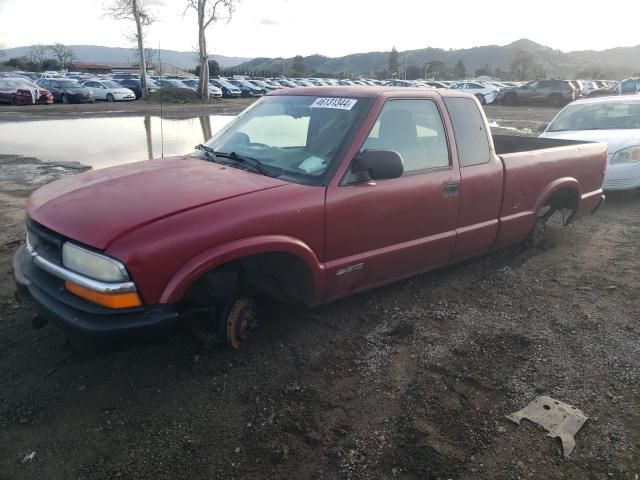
[[247, 89], [228, 90]]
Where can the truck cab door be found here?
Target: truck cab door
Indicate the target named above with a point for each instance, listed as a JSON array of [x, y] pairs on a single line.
[[385, 230], [481, 176]]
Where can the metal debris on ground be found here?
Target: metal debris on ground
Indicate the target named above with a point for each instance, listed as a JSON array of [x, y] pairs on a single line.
[[29, 457], [560, 419]]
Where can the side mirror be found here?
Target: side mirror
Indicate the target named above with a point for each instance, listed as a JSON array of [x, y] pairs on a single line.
[[542, 127], [378, 165]]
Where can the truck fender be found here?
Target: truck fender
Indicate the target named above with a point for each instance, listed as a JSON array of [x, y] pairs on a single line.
[[556, 186], [227, 252]]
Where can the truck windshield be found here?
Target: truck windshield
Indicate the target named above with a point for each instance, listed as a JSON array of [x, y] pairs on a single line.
[[608, 115], [300, 136]]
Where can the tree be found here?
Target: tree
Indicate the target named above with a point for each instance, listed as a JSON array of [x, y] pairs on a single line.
[[62, 53], [298, 69], [214, 69], [50, 64], [37, 55], [150, 57], [522, 65], [413, 72], [435, 69], [460, 70], [19, 63], [484, 71], [134, 10], [394, 62], [209, 11]]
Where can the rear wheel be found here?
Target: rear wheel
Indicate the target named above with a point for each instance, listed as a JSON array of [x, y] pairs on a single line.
[[14, 100], [481, 99], [65, 99], [110, 98]]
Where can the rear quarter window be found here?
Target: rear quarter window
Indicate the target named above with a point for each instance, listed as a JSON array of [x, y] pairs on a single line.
[[469, 129]]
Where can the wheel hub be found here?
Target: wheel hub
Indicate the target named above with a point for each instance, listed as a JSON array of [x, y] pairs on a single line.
[[240, 321]]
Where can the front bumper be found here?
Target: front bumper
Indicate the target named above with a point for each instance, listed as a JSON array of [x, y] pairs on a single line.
[[77, 317], [119, 97]]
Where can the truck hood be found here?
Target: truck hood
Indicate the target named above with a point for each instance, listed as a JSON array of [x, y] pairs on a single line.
[[97, 207], [615, 139]]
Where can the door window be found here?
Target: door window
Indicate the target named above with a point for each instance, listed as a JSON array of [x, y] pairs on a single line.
[[414, 129], [469, 129]]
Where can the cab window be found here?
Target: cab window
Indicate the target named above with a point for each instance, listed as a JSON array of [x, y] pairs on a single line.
[[414, 129]]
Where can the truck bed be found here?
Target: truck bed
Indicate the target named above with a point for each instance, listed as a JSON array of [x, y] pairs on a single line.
[[533, 167], [506, 144]]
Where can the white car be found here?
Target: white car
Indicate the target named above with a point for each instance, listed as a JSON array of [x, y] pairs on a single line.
[[484, 93], [214, 92], [109, 90], [612, 120]]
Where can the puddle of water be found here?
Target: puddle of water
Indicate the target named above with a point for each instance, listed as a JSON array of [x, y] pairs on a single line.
[[104, 142]]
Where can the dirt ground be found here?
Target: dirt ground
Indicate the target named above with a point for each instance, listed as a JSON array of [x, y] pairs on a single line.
[[409, 381]]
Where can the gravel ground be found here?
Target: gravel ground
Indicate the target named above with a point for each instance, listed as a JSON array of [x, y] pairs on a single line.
[[409, 381]]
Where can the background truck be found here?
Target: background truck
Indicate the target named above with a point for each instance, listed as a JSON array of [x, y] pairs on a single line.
[[308, 196]]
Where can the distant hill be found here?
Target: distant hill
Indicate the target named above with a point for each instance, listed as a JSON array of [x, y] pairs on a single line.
[[97, 54], [613, 63]]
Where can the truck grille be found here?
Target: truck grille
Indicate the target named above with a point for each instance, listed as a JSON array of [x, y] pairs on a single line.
[[46, 242]]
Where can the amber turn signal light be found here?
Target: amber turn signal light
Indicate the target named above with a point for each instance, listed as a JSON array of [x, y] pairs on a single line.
[[109, 300]]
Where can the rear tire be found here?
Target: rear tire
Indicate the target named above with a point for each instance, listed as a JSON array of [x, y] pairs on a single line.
[[14, 100], [110, 98], [65, 99]]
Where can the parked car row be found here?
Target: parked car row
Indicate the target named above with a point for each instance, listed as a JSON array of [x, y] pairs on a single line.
[[83, 87]]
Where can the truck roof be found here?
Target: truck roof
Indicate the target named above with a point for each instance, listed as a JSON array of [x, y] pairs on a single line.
[[354, 91]]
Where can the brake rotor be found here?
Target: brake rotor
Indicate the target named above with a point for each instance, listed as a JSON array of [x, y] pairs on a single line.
[[240, 320]]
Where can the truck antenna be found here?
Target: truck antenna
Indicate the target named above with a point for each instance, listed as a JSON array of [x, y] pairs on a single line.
[[161, 111]]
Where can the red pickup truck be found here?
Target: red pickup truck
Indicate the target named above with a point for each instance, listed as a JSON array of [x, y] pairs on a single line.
[[310, 195]]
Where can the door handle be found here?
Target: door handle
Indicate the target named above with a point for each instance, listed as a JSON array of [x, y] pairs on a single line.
[[450, 189]]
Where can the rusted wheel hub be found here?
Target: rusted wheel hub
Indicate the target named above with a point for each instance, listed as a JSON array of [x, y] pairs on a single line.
[[240, 320], [538, 233]]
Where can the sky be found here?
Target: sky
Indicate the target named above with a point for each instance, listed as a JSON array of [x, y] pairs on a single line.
[[274, 28]]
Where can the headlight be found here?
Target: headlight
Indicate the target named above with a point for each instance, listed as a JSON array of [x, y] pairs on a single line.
[[93, 265], [626, 155]]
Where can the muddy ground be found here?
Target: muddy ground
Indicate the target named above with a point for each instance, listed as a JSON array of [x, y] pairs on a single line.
[[409, 381]]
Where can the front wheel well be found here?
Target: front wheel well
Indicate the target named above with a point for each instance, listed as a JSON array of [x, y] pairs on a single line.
[[279, 275]]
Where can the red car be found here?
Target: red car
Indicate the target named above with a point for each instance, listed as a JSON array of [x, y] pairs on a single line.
[[312, 194], [18, 91]]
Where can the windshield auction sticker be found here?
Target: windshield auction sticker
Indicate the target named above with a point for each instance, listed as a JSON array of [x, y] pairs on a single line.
[[337, 103]]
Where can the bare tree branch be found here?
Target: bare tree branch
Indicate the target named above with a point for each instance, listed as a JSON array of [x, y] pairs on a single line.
[[62, 53], [135, 11], [37, 54]]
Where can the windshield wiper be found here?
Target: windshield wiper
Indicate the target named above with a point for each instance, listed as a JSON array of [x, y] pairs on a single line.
[[252, 164]]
